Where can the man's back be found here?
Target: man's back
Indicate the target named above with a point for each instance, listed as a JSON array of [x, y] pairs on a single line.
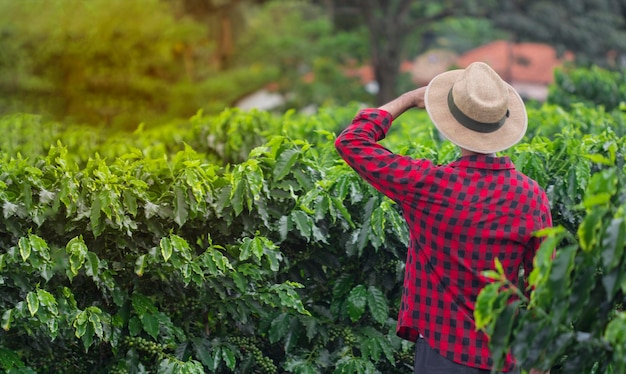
[[461, 216]]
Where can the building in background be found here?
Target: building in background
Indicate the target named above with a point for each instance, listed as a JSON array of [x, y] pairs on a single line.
[[528, 67]]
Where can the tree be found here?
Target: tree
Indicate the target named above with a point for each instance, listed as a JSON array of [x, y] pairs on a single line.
[[93, 62], [112, 62], [595, 30], [390, 23]]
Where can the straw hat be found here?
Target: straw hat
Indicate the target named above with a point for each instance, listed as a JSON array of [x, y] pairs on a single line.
[[475, 109]]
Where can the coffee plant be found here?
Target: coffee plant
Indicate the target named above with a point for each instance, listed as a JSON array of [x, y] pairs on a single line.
[[241, 243]]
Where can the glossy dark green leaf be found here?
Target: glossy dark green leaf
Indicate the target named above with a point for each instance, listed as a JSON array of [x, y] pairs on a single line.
[[377, 304], [356, 301], [150, 325], [279, 327], [285, 162]]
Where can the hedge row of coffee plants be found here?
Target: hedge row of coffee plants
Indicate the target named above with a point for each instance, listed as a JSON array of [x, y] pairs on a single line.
[[590, 86], [242, 243]]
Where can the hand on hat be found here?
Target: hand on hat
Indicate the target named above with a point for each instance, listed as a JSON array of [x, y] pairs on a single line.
[[411, 99], [417, 97]]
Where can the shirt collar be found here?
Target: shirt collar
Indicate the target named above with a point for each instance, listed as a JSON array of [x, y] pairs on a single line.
[[483, 162]]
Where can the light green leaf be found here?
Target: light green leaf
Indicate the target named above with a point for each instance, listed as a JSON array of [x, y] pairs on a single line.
[[40, 246], [77, 249], [588, 230], [166, 248], [80, 324], [7, 319], [96, 321], [33, 303], [598, 159], [181, 246], [25, 248], [47, 299], [498, 266], [484, 305]]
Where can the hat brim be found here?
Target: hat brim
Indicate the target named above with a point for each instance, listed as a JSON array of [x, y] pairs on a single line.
[[436, 103]]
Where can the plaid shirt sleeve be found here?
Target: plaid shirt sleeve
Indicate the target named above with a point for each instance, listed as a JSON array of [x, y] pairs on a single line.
[[460, 216], [389, 173]]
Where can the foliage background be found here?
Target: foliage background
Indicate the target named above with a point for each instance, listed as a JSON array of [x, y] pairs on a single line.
[[176, 234]]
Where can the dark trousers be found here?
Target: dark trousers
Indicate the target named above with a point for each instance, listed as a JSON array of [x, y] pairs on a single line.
[[427, 361]]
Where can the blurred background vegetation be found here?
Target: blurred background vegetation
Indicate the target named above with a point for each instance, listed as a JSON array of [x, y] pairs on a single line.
[[118, 63]]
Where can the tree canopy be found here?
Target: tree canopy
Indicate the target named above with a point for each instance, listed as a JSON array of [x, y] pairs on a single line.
[[595, 30]]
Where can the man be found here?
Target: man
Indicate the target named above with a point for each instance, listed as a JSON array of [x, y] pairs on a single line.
[[461, 216]]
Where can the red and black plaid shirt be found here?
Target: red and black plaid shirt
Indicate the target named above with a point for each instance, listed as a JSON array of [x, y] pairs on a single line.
[[460, 217]]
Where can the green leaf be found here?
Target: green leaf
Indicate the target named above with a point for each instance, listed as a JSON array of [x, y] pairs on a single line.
[[274, 257], [47, 299], [140, 265], [343, 285], [303, 223], [181, 208], [25, 248], [588, 230], [9, 360], [378, 222], [7, 319], [484, 305], [251, 247], [377, 304], [228, 356], [39, 246], [341, 208], [33, 303], [77, 249], [150, 325], [559, 278], [134, 326], [491, 274], [613, 243], [142, 304], [166, 248], [130, 201], [96, 321], [279, 327], [97, 225], [80, 324], [499, 339], [293, 335], [598, 159], [498, 265], [237, 193], [285, 162], [283, 227], [93, 265], [357, 300], [181, 246]]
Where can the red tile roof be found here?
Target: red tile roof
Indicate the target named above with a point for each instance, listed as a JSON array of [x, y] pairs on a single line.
[[521, 62]]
